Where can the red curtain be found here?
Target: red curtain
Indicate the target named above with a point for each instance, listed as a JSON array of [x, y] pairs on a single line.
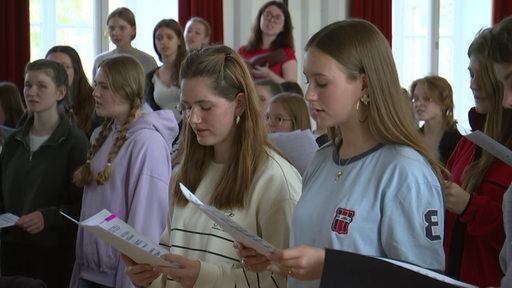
[[500, 10], [210, 10], [15, 40], [376, 11]]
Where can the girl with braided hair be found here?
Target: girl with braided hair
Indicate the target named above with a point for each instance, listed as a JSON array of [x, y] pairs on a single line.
[[127, 171]]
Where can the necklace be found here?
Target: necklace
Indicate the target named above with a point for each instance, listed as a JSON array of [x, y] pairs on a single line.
[[340, 171]]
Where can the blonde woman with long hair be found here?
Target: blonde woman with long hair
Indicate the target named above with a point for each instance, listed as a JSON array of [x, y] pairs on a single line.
[[375, 190], [127, 170], [226, 158]]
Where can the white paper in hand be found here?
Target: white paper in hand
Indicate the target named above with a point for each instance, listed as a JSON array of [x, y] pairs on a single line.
[[236, 231], [492, 146], [8, 219], [124, 238]]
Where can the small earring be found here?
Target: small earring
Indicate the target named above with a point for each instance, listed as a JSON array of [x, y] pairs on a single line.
[[365, 99], [237, 119]]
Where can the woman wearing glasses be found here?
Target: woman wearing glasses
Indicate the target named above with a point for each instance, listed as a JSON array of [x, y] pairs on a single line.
[[432, 99], [272, 33], [287, 112]]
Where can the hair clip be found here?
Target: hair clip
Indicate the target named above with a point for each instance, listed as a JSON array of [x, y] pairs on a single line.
[[228, 55]]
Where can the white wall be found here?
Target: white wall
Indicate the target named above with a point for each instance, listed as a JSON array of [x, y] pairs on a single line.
[[313, 15]]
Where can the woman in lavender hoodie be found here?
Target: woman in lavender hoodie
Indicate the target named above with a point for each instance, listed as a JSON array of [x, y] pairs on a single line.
[[127, 171]]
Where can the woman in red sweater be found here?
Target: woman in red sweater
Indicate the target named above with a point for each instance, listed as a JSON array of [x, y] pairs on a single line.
[[474, 231]]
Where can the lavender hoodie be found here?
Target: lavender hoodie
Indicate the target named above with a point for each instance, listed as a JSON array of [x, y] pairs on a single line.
[[137, 189]]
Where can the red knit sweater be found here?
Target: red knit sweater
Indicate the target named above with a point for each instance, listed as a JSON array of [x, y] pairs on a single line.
[[484, 234]]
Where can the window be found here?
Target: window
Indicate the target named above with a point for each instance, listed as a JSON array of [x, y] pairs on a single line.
[[81, 24], [432, 37], [62, 22]]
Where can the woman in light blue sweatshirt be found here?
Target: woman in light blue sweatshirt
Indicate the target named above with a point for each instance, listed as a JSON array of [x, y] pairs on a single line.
[[127, 171]]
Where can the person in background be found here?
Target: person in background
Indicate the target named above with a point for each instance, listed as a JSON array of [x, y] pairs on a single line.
[[398, 213], [500, 55], [473, 197], [272, 30], [320, 133], [162, 89], [122, 30], [287, 120], [127, 171], [80, 103], [292, 87], [197, 33], [265, 90], [11, 108], [227, 159], [37, 164], [287, 112], [432, 97]]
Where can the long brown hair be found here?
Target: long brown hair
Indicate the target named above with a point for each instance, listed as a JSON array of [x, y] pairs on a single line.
[[81, 110], [361, 48], [182, 48], [498, 120], [10, 101], [227, 76], [125, 78]]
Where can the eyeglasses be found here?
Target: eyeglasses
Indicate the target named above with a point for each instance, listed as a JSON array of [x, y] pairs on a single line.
[[276, 118], [274, 18]]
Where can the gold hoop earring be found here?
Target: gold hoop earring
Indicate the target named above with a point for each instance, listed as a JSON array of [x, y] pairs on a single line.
[[363, 112]]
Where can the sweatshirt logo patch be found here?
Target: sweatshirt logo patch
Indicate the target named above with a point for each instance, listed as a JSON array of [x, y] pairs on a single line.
[[342, 220]]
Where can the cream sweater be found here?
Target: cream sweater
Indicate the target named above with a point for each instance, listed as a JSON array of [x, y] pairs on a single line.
[[192, 234]]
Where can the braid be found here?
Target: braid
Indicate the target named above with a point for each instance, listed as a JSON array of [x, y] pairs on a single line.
[[83, 174], [121, 137]]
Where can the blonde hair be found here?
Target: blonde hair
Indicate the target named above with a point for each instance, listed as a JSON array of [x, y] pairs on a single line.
[[202, 21], [498, 120], [295, 107], [361, 48], [227, 76], [440, 91], [125, 78]]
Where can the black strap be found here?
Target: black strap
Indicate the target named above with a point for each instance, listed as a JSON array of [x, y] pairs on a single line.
[[455, 252]]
